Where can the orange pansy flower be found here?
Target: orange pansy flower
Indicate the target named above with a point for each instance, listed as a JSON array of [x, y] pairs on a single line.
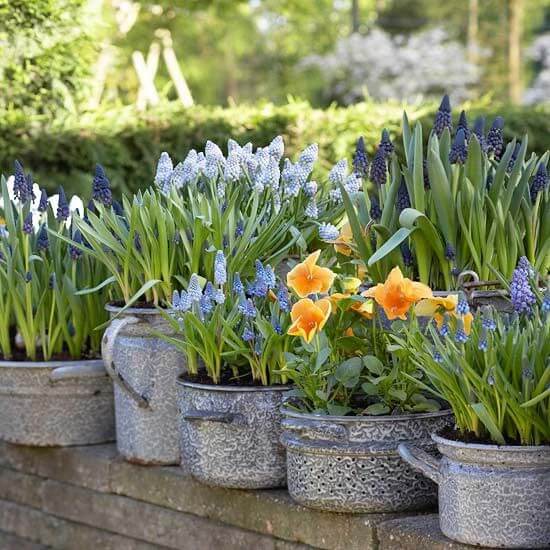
[[308, 278], [365, 309], [397, 294], [342, 243], [309, 317]]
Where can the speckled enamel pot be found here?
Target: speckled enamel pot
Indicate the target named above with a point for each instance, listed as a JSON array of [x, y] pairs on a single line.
[[351, 463], [56, 403], [230, 435], [144, 368], [490, 495]]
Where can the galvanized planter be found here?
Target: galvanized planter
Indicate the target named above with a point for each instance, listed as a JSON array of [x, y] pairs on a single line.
[[230, 434], [351, 463], [56, 403], [490, 495], [144, 368]]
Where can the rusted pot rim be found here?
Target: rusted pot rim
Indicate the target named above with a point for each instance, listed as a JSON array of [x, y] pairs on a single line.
[[231, 389], [49, 364], [486, 447], [365, 418]]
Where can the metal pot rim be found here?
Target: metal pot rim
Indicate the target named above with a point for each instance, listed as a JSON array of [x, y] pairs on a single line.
[[460, 445], [49, 364], [365, 418], [231, 389], [111, 308]]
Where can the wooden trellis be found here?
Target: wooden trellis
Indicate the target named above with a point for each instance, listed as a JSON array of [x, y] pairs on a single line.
[[126, 14]]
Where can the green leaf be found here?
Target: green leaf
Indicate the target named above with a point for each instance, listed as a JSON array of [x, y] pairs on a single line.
[[391, 244], [377, 409], [374, 364]]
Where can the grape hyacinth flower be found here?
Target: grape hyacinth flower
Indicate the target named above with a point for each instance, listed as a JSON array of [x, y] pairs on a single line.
[[521, 293], [310, 188], [462, 307], [177, 179], [211, 149], [375, 211], [539, 183], [28, 277], [479, 132], [311, 209], [101, 187], [283, 298], [360, 159], [232, 167], [248, 334], [459, 151], [74, 251], [463, 125], [43, 242], [269, 277], [483, 344], [353, 184], [194, 291], [338, 173], [444, 328], [443, 117], [220, 269], [328, 232], [43, 203], [402, 201], [488, 323], [164, 172], [546, 302], [63, 210], [335, 195], [514, 157], [27, 224], [238, 287], [309, 154], [247, 308], [378, 169], [276, 148], [20, 187], [495, 138], [206, 306], [137, 242], [117, 208], [385, 143], [30, 187], [450, 252], [406, 254], [437, 357], [425, 174], [460, 335]]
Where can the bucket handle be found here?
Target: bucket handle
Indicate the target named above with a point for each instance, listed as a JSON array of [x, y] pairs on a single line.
[[213, 416], [107, 346], [420, 460], [70, 372], [330, 432]]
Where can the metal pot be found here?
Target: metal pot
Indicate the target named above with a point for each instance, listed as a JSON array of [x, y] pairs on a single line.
[[351, 463], [489, 495], [230, 434], [56, 403], [144, 368]]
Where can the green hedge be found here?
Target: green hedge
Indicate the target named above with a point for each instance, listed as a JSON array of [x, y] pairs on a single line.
[[128, 143]]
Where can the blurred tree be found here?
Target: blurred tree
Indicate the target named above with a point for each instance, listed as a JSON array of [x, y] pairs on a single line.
[[45, 53]]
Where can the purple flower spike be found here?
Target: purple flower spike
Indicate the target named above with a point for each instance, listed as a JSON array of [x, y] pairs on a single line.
[[443, 117]]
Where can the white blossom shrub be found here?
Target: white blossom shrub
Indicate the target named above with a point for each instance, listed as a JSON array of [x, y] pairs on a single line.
[[539, 92], [382, 66]]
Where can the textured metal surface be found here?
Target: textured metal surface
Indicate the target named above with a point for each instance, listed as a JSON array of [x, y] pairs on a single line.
[[56, 403], [489, 495], [351, 464], [145, 369], [230, 436]]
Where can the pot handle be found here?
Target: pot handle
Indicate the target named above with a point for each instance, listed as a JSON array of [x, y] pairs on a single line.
[[107, 346], [96, 370], [420, 460], [330, 432], [213, 416]]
